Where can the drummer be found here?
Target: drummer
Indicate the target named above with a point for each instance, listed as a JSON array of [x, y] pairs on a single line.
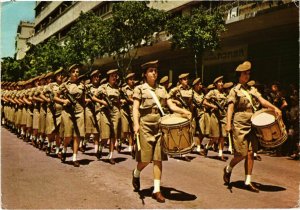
[[146, 117], [240, 102]]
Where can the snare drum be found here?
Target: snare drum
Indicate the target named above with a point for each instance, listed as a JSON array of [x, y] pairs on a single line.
[[176, 138], [271, 130]]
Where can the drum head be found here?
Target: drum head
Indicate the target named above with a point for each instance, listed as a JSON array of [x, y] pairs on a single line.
[[263, 119], [172, 120]]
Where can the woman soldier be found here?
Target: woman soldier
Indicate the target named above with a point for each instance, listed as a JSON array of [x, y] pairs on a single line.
[[110, 111], [216, 100], [198, 112], [72, 98], [240, 100], [54, 109], [146, 118], [92, 111], [126, 112]]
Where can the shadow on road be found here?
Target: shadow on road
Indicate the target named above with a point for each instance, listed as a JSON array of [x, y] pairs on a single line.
[[82, 162], [168, 193], [261, 187], [117, 160]]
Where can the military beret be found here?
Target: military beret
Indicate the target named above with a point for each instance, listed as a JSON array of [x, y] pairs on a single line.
[[164, 79], [94, 72], [129, 75], [251, 83], [136, 82], [41, 76], [73, 67], [88, 81], [228, 85], [58, 71], [217, 79], [196, 81], [50, 74], [65, 79], [153, 64], [103, 81], [181, 76], [211, 86], [111, 71], [244, 66]]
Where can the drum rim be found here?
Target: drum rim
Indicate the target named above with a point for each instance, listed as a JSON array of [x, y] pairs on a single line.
[[262, 111]]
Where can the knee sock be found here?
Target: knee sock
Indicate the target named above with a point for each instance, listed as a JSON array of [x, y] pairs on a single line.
[[74, 157], [229, 169], [247, 179], [96, 148], [110, 156], [156, 186], [220, 152], [136, 173]]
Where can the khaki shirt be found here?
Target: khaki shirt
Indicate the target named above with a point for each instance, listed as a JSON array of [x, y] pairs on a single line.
[[129, 93], [240, 101], [113, 93], [93, 91], [198, 98], [147, 102], [184, 93]]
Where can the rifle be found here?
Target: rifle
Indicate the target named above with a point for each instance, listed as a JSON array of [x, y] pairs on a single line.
[[90, 95], [107, 100], [69, 96], [197, 105], [183, 103]]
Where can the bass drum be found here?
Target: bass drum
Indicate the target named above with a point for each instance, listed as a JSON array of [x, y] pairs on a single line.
[[176, 138], [271, 130]]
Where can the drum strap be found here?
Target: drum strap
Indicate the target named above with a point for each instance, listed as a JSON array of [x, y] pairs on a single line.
[[156, 101], [249, 98]]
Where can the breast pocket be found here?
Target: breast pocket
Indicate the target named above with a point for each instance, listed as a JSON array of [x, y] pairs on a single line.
[[147, 100]]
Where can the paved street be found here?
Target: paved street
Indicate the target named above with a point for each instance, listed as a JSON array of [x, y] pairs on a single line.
[[30, 179]]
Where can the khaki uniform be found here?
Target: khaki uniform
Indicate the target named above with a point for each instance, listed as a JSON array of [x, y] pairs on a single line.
[[202, 120], [73, 116], [109, 118], [30, 109], [92, 112], [19, 110], [43, 112], [126, 111], [244, 136], [36, 109], [184, 93], [217, 117], [24, 109], [149, 122], [53, 116]]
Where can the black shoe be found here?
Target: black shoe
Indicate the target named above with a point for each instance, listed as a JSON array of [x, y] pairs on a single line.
[[158, 197], [186, 158], [226, 176], [119, 148], [204, 152], [135, 182], [222, 158], [257, 158], [76, 163], [63, 157], [251, 187], [112, 161], [99, 155], [48, 150]]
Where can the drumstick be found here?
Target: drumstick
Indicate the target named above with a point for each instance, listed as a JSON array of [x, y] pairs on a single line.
[[230, 143], [137, 136]]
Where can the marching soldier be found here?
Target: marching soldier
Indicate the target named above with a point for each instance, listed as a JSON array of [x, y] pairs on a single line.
[[216, 100], [126, 111], [146, 125], [71, 95], [92, 111], [182, 96], [200, 121], [244, 138], [110, 111]]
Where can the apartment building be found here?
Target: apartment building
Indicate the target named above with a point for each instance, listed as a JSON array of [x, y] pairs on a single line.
[[24, 32], [264, 32]]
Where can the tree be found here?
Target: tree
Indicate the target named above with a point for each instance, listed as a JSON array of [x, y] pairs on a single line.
[[199, 31], [132, 26], [11, 69], [84, 41]]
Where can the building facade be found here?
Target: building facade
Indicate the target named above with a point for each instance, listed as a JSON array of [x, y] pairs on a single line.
[[263, 32], [24, 32]]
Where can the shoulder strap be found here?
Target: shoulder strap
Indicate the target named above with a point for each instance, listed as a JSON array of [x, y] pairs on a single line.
[[156, 101], [249, 98]]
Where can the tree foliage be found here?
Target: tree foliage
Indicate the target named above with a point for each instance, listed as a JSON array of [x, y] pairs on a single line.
[[199, 31], [132, 25], [10, 69]]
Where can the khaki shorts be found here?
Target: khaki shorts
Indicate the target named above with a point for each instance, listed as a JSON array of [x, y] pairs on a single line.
[[109, 123], [29, 119], [24, 115], [73, 127], [42, 122], [53, 124], [125, 122], [91, 122], [150, 143], [36, 119], [217, 128]]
